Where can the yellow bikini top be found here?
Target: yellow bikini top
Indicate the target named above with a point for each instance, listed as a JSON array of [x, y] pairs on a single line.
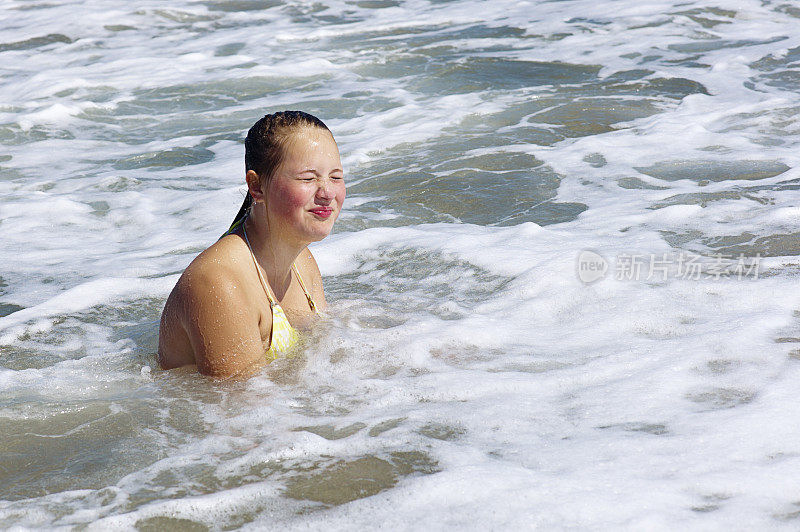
[[283, 336]]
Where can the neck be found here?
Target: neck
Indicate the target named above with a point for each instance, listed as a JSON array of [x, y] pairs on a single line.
[[274, 254]]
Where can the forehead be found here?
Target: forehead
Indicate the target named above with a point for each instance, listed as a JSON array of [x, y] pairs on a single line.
[[308, 142]]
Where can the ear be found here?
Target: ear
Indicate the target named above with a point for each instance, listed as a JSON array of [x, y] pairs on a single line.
[[255, 186]]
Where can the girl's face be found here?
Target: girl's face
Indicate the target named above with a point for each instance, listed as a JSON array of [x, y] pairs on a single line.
[[306, 192]]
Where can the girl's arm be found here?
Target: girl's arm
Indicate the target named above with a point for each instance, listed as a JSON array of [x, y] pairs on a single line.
[[223, 328]]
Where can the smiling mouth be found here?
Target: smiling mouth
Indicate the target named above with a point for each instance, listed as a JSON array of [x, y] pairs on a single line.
[[322, 212]]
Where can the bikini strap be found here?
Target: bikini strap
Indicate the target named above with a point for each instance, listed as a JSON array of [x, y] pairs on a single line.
[[258, 269], [305, 290], [272, 302]]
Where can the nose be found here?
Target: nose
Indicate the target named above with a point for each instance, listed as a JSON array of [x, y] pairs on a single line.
[[325, 190]]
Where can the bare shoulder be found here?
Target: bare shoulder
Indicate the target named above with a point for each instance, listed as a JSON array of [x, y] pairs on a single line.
[[220, 261], [215, 311], [214, 272], [309, 271]]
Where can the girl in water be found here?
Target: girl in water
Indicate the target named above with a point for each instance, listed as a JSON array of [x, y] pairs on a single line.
[[237, 304]]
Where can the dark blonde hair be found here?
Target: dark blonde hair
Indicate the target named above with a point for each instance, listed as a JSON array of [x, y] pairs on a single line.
[[265, 145]]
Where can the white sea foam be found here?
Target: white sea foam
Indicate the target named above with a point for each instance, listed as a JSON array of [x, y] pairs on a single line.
[[465, 375]]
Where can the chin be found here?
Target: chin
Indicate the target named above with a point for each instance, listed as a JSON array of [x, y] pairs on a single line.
[[320, 230], [319, 234], [319, 237]]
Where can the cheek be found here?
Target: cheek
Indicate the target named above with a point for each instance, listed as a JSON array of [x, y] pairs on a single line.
[[341, 192], [287, 199]]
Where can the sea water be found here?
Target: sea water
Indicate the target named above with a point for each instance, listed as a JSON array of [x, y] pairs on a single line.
[[563, 291]]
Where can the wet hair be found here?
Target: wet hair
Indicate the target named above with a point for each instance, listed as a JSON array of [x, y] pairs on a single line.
[[265, 146]]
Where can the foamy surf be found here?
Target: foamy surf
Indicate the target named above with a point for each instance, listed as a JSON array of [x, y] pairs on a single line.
[[562, 293]]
